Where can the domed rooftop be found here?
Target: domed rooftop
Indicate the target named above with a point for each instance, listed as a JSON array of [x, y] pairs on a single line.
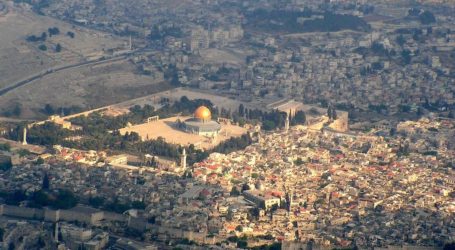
[[203, 113]]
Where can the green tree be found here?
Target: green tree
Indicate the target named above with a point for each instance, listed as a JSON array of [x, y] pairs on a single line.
[[234, 191], [41, 244], [39, 161], [23, 152], [53, 31], [40, 199], [138, 205], [406, 55], [299, 118], [404, 108], [242, 244], [65, 200], [5, 147], [298, 161], [427, 17], [413, 12], [334, 114], [451, 114], [5, 164], [45, 184], [33, 38], [48, 109], [268, 125], [58, 48], [15, 198], [96, 201], [329, 112], [393, 131], [116, 206], [403, 150], [70, 34], [17, 109], [241, 110], [401, 40], [245, 187]]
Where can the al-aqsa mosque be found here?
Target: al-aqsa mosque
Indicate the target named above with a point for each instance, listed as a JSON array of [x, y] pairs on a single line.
[[201, 123]]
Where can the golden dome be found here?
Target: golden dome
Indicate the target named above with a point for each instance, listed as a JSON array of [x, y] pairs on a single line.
[[203, 113]]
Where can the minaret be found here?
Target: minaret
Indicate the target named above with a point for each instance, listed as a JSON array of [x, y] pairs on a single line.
[[131, 43], [56, 232], [24, 137], [183, 159], [290, 196], [286, 123]]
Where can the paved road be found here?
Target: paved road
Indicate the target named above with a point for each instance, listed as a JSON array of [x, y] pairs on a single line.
[[9, 119], [65, 67]]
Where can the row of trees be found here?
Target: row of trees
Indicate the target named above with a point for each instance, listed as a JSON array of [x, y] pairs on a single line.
[[335, 22], [37, 6], [270, 120], [234, 144], [53, 31], [424, 16], [34, 38], [158, 33], [115, 205], [298, 118], [61, 199], [14, 110], [102, 132], [5, 147], [49, 109], [57, 48], [286, 21], [332, 113]]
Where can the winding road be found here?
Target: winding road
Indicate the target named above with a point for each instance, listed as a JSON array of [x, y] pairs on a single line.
[[53, 70]]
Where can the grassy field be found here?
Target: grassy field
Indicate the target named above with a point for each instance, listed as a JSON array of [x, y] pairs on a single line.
[[87, 86], [19, 58]]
